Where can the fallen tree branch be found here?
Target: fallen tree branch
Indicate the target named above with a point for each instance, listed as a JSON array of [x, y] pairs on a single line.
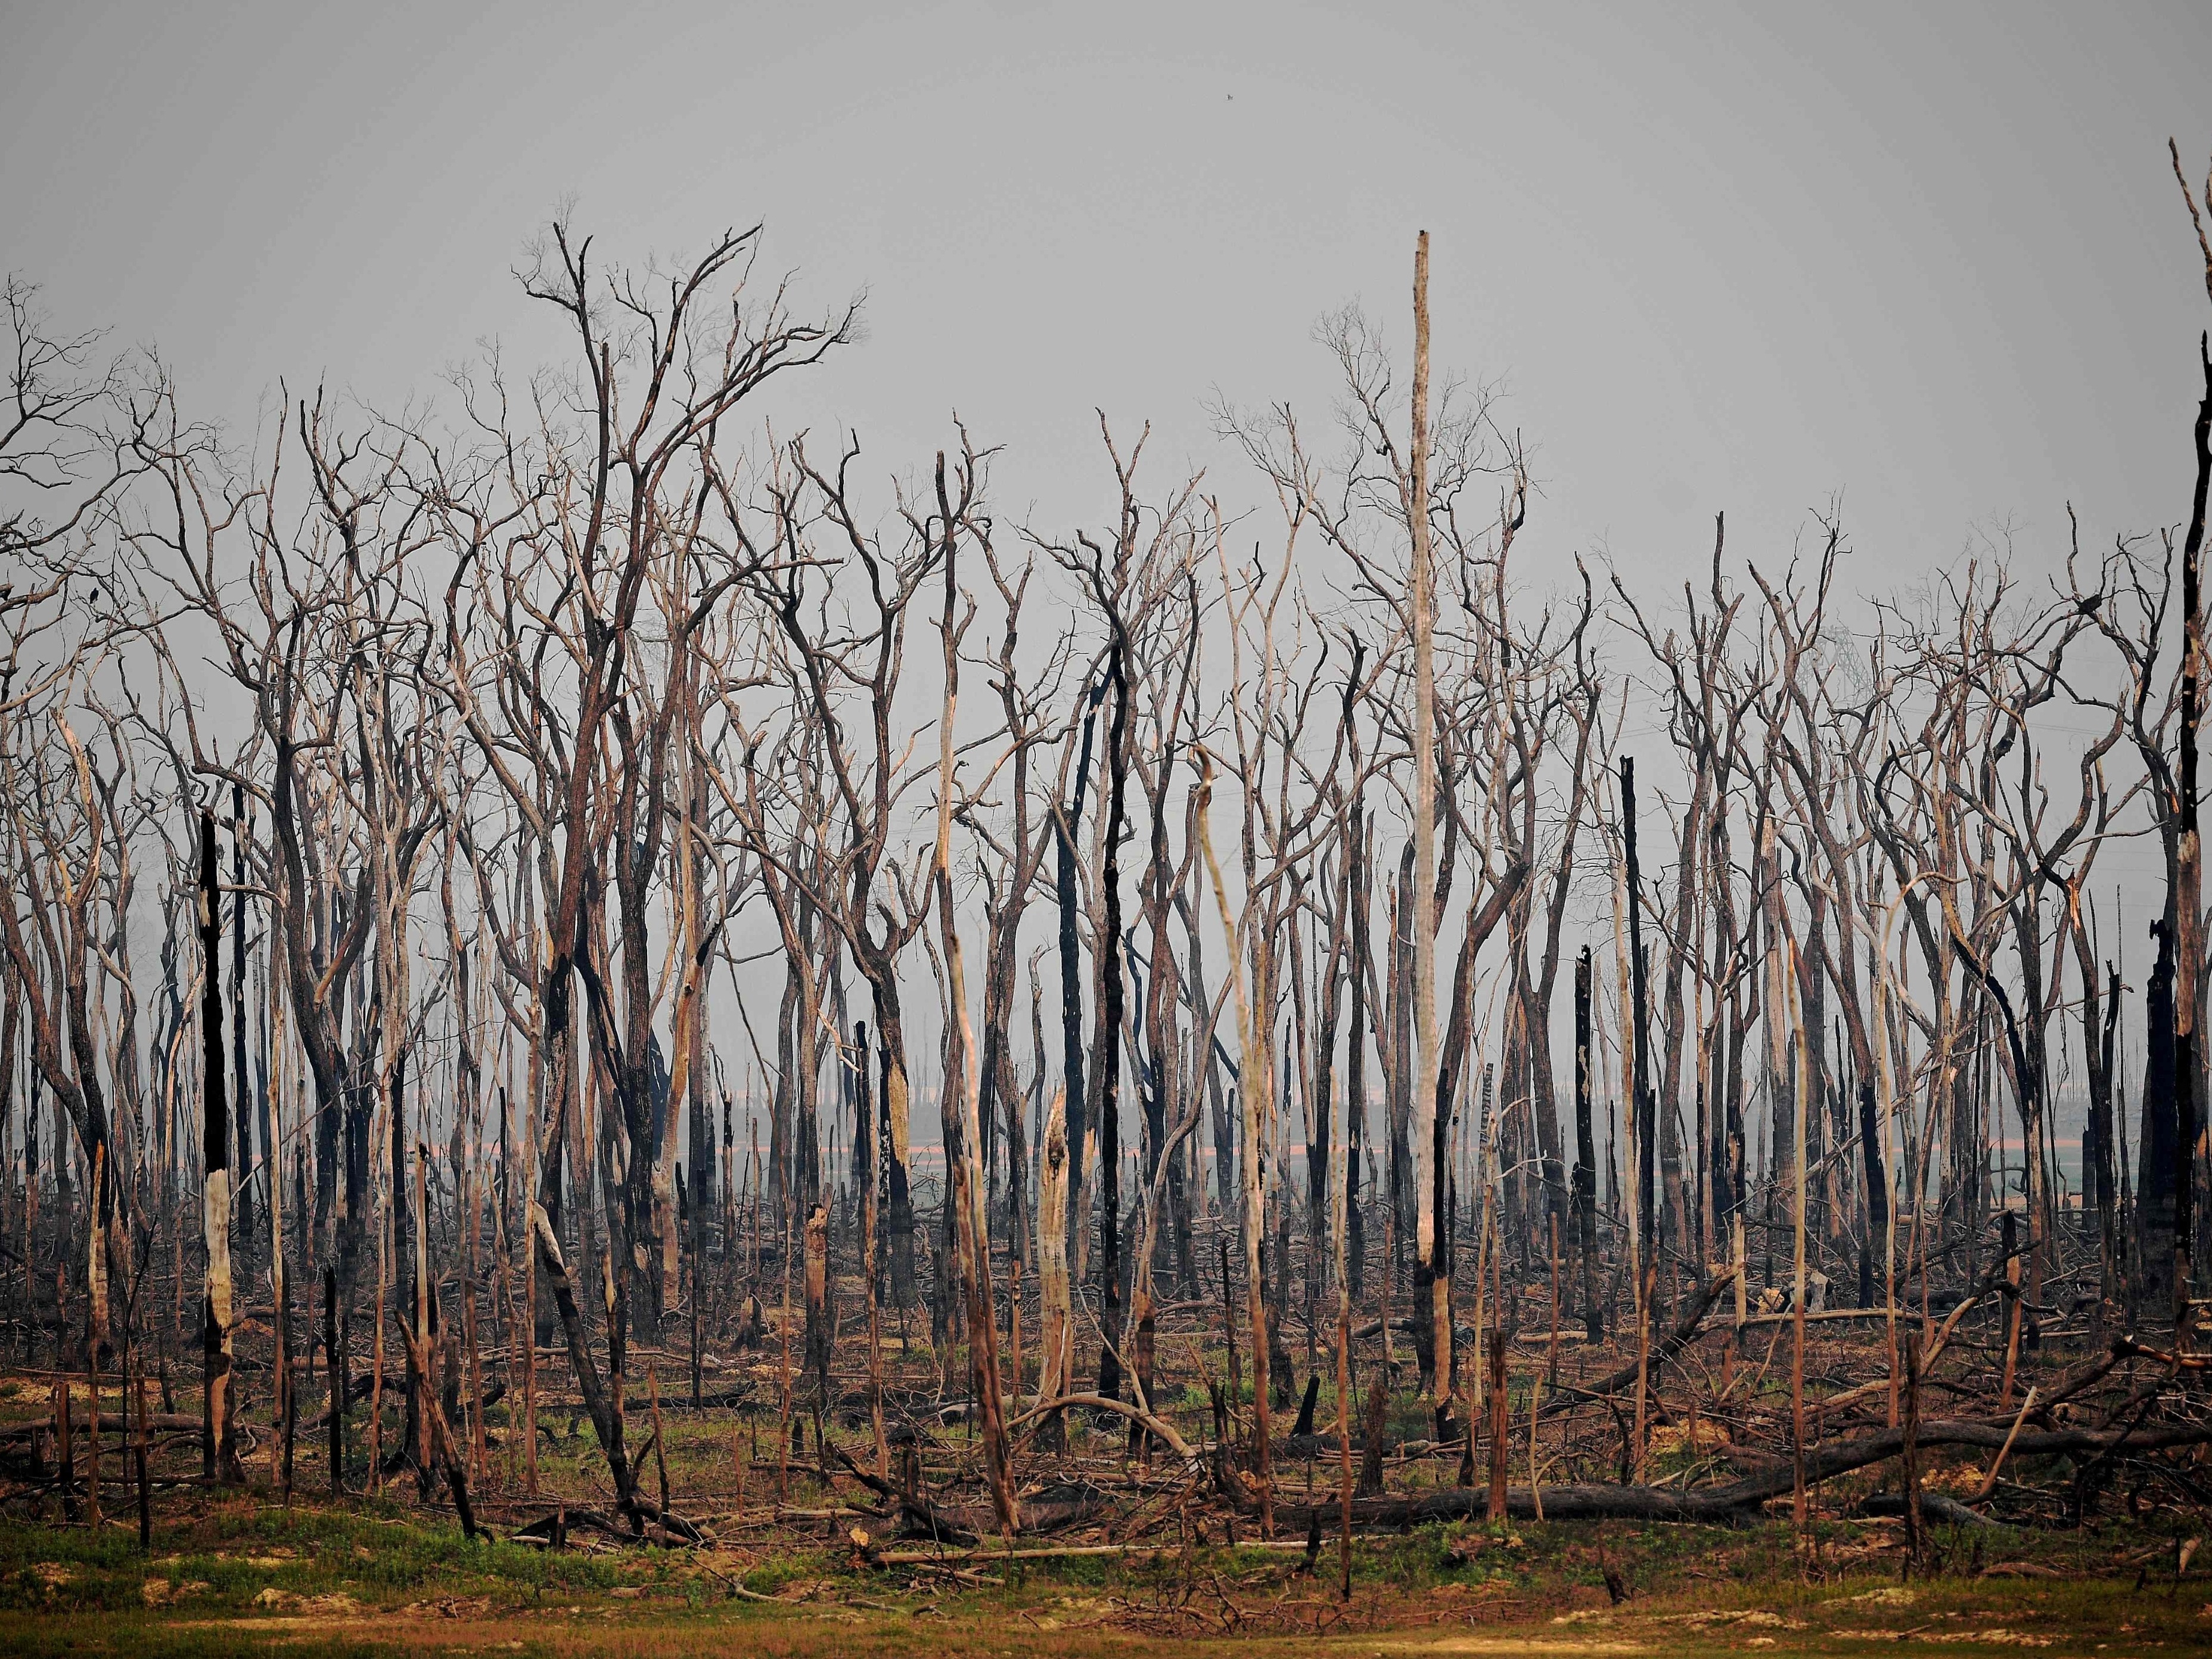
[[1566, 1398], [1739, 1499], [1159, 1426], [913, 1507]]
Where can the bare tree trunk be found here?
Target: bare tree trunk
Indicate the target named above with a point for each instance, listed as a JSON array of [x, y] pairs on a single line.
[[1253, 1092], [606, 1421], [1056, 1336], [864, 1160], [2188, 904], [1106, 1038], [1585, 1155], [1645, 1108], [1429, 1276], [334, 1352], [960, 1100], [819, 1314], [218, 1444], [243, 1186]]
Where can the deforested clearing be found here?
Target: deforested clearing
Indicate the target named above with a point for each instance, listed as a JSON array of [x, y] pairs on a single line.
[[626, 1024]]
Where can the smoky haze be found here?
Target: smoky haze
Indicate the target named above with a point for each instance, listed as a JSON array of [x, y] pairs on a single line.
[[567, 630], [1927, 260], [1926, 270]]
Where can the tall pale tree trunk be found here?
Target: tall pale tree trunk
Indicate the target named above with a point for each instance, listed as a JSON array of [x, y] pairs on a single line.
[[1429, 1273]]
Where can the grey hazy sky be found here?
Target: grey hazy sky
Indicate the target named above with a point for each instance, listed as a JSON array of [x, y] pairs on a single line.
[[1729, 257]]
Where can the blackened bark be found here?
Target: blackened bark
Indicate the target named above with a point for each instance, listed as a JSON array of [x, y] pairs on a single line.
[[1877, 1189], [218, 1453], [2159, 1141], [243, 1231], [334, 1352], [2103, 1161], [1107, 1039], [403, 1256], [2188, 871], [1071, 964], [606, 1419], [1585, 1206], [1644, 1106], [1355, 1075]]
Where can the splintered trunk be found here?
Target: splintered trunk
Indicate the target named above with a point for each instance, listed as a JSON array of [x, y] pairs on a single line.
[[218, 1443], [1500, 1422], [820, 1317], [898, 1196]]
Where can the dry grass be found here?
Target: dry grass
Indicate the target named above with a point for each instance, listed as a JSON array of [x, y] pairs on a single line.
[[235, 1576]]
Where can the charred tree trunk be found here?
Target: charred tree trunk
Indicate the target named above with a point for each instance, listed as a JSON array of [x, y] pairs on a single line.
[[1064, 827], [2188, 905], [1106, 1041], [1585, 1207], [218, 1444], [243, 1104], [1645, 1108]]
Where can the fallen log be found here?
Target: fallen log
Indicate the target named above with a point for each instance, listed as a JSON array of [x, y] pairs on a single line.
[[358, 1391], [1064, 1553], [1935, 1508], [2127, 1347], [1737, 1500], [1566, 1398], [158, 1421], [737, 1395], [916, 1510], [1161, 1430], [1992, 1279]]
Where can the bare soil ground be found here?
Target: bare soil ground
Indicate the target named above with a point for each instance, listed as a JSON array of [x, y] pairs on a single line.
[[234, 1575]]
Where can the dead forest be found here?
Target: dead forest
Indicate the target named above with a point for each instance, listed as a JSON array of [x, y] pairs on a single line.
[[1273, 1013]]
